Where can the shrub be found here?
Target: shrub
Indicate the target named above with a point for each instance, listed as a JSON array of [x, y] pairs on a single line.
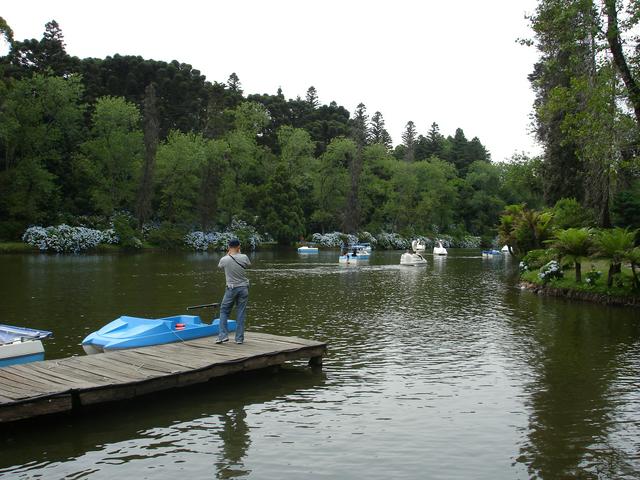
[[550, 271], [535, 259], [124, 230], [392, 241], [592, 277], [168, 236], [63, 238]]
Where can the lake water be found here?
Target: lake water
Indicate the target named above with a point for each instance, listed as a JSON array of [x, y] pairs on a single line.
[[447, 371]]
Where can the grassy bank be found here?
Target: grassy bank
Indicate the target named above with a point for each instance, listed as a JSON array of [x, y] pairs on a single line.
[[620, 293]]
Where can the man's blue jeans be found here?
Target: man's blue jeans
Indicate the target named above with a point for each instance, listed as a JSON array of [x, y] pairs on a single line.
[[238, 296]]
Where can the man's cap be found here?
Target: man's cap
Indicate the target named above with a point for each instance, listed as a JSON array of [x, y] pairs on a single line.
[[234, 242]]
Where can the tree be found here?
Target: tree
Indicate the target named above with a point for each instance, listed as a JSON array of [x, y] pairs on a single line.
[[151, 131], [409, 141], [234, 83], [312, 97], [523, 229], [574, 244], [112, 155], [619, 58], [360, 126], [40, 128], [614, 244], [180, 163], [378, 132], [281, 210]]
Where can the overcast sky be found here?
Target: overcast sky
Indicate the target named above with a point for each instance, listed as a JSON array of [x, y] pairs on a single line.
[[453, 62]]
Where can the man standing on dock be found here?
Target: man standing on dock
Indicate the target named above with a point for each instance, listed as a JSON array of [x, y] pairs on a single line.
[[236, 292]]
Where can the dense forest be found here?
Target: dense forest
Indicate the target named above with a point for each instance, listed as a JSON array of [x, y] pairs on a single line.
[[84, 139]]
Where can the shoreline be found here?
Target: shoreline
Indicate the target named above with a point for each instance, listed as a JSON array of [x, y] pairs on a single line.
[[571, 294]]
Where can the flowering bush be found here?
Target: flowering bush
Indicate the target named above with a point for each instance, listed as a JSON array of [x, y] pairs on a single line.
[[392, 241], [203, 241], [366, 237], [64, 238], [592, 277], [523, 266], [333, 239], [550, 271], [468, 241]]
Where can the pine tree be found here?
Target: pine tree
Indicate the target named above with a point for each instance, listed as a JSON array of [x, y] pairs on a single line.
[[409, 141], [379, 134], [312, 97]]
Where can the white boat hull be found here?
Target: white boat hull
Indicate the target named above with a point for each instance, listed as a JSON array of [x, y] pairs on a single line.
[[21, 352], [412, 259]]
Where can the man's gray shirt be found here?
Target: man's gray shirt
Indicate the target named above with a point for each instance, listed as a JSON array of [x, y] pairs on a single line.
[[233, 272]]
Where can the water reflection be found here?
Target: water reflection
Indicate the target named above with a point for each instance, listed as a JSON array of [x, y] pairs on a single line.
[[584, 359], [159, 432], [235, 437]]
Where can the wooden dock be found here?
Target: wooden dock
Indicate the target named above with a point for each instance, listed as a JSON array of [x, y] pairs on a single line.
[[56, 386]]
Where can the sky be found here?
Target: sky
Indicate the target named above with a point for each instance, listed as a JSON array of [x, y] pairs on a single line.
[[452, 62]]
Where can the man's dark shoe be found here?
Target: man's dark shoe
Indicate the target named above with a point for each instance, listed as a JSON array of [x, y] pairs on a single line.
[[222, 341]]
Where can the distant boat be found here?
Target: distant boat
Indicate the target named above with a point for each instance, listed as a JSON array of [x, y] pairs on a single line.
[[306, 249], [361, 247], [439, 249], [133, 332], [418, 245], [505, 249], [353, 257], [491, 253], [21, 345], [412, 259]]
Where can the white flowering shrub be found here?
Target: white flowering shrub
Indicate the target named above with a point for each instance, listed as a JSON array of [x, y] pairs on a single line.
[[592, 277], [63, 238], [523, 266], [203, 241], [550, 271], [468, 241], [333, 239], [110, 237], [392, 241]]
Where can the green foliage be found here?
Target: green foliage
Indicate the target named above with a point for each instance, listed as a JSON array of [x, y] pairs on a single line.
[[523, 229], [626, 206], [535, 259], [567, 213], [281, 210], [124, 227], [573, 244], [112, 157], [614, 244], [168, 236]]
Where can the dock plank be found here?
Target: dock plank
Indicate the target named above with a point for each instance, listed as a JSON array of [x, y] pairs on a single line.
[[54, 386]]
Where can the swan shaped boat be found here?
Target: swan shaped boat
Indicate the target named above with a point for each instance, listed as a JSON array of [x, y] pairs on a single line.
[[439, 249], [412, 259]]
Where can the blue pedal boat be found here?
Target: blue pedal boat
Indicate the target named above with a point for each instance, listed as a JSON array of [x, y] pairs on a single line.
[[134, 332], [21, 345]]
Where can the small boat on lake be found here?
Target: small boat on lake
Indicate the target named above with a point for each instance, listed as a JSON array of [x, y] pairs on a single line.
[[418, 245], [412, 259], [21, 345], [305, 249], [134, 332], [351, 257], [439, 249], [491, 253]]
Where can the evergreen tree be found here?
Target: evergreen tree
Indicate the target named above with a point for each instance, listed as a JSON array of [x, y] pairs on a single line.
[[312, 97], [409, 141], [378, 132], [281, 210], [360, 126]]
